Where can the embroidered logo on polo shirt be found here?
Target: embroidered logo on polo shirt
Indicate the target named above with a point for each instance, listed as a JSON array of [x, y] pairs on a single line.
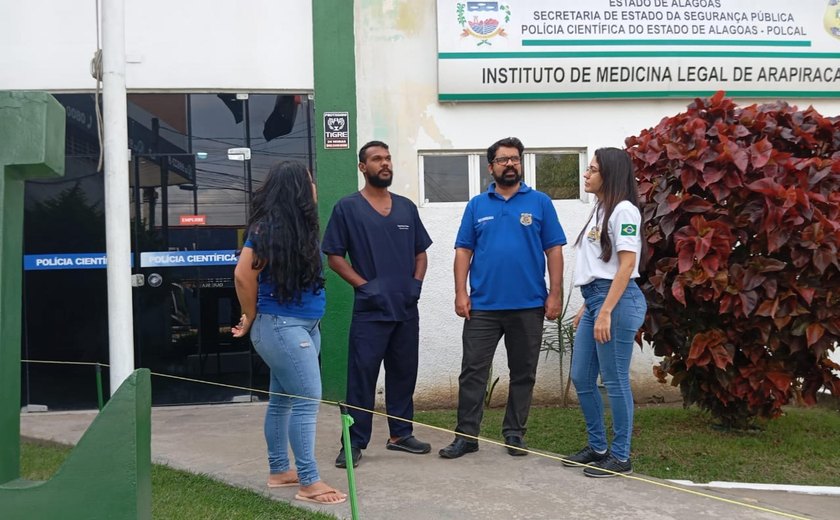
[[628, 230], [525, 219], [403, 227]]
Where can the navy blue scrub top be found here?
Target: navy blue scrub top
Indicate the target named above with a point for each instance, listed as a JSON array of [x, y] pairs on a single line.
[[382, 250]]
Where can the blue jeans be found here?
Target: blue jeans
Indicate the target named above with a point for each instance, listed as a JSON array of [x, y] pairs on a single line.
[[612, 360], [290, 347]]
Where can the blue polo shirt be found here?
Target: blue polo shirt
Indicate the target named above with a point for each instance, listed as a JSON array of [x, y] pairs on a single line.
[[382, 249], [508, 239], [310, 307]]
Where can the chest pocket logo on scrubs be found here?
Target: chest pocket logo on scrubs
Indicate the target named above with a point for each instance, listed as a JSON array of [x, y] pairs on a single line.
[[526, 219]]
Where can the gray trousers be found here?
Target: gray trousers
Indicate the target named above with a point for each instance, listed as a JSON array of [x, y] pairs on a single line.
[[522, 330]]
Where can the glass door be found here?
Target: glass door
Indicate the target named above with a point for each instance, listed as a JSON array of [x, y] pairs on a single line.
[[190, 184], [194, 188]]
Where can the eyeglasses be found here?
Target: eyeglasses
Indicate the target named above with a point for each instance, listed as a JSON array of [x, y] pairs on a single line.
[[592, 169], [504, 160]]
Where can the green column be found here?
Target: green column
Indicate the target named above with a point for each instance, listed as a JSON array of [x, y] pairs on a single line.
[[31, 146], [335, 91]]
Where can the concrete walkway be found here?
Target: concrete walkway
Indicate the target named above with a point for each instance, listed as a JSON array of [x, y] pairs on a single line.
[[226, 442]]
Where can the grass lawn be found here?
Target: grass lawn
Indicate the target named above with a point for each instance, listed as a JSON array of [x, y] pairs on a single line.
[[177, 494], [670, 442]]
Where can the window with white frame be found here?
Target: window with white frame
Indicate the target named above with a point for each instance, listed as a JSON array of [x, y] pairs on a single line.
[[459, 176], [445, 177]]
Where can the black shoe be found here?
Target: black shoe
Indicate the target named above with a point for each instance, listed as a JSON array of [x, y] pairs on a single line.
[[409, 443], [458, 448], [516, 445], [585, 456], [609, 467], [341, 460]]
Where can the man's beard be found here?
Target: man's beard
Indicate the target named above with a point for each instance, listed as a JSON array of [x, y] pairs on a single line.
[[378, 182], [502, 180]]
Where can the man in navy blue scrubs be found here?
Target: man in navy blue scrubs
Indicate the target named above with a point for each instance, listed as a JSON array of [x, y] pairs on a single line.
[[382, 234], [507, 236]]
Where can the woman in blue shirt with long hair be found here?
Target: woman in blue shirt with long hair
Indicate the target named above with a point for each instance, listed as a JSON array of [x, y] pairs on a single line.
[[280, 286]]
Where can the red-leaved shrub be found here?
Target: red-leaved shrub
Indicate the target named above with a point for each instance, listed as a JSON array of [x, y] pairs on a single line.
[[741, 271]]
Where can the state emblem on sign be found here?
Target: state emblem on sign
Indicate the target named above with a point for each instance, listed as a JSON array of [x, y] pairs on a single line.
[[480, 20], [831, 19], [525, 219]]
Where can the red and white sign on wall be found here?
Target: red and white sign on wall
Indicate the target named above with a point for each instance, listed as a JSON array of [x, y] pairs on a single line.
[[193, 220]]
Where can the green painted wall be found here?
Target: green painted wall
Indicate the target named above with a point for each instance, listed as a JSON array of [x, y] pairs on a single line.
[[335, 91], [107, 476], [31, 146]]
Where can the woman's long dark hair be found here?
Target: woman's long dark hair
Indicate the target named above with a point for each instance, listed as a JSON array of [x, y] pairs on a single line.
[[284, 230], [619, 183]]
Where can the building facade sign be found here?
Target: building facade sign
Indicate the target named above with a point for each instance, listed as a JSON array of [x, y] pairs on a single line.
[[55, 261], [564, 49]]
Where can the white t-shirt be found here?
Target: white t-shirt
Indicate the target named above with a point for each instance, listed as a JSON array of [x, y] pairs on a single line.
[[625, 227]]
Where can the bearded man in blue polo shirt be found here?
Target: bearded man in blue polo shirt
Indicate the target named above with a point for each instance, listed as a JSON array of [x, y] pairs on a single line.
[[507, 236], [382, 234]]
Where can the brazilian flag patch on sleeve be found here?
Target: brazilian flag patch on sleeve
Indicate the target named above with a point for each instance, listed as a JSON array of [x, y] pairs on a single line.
[[629, 230]]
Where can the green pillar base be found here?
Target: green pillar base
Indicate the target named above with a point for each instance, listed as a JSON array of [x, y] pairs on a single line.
[[31, 146], [107, 476]]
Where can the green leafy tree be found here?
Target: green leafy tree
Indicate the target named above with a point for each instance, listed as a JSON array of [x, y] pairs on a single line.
[[558, 175], [742, 212], [67, 223]]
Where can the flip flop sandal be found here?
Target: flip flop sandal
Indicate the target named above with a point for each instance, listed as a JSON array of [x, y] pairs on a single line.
[[314, 498], [283, 485]]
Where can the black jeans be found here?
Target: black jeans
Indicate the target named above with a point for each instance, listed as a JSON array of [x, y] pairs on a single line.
[[522, 330]]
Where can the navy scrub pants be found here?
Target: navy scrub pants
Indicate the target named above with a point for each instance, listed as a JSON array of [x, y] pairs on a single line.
[[371, 343]]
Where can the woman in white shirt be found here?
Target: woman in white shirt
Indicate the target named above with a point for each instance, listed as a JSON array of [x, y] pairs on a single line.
[[608, 250]]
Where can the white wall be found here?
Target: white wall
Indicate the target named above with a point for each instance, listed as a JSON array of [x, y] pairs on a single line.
[[397, 103], [210, 45]]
